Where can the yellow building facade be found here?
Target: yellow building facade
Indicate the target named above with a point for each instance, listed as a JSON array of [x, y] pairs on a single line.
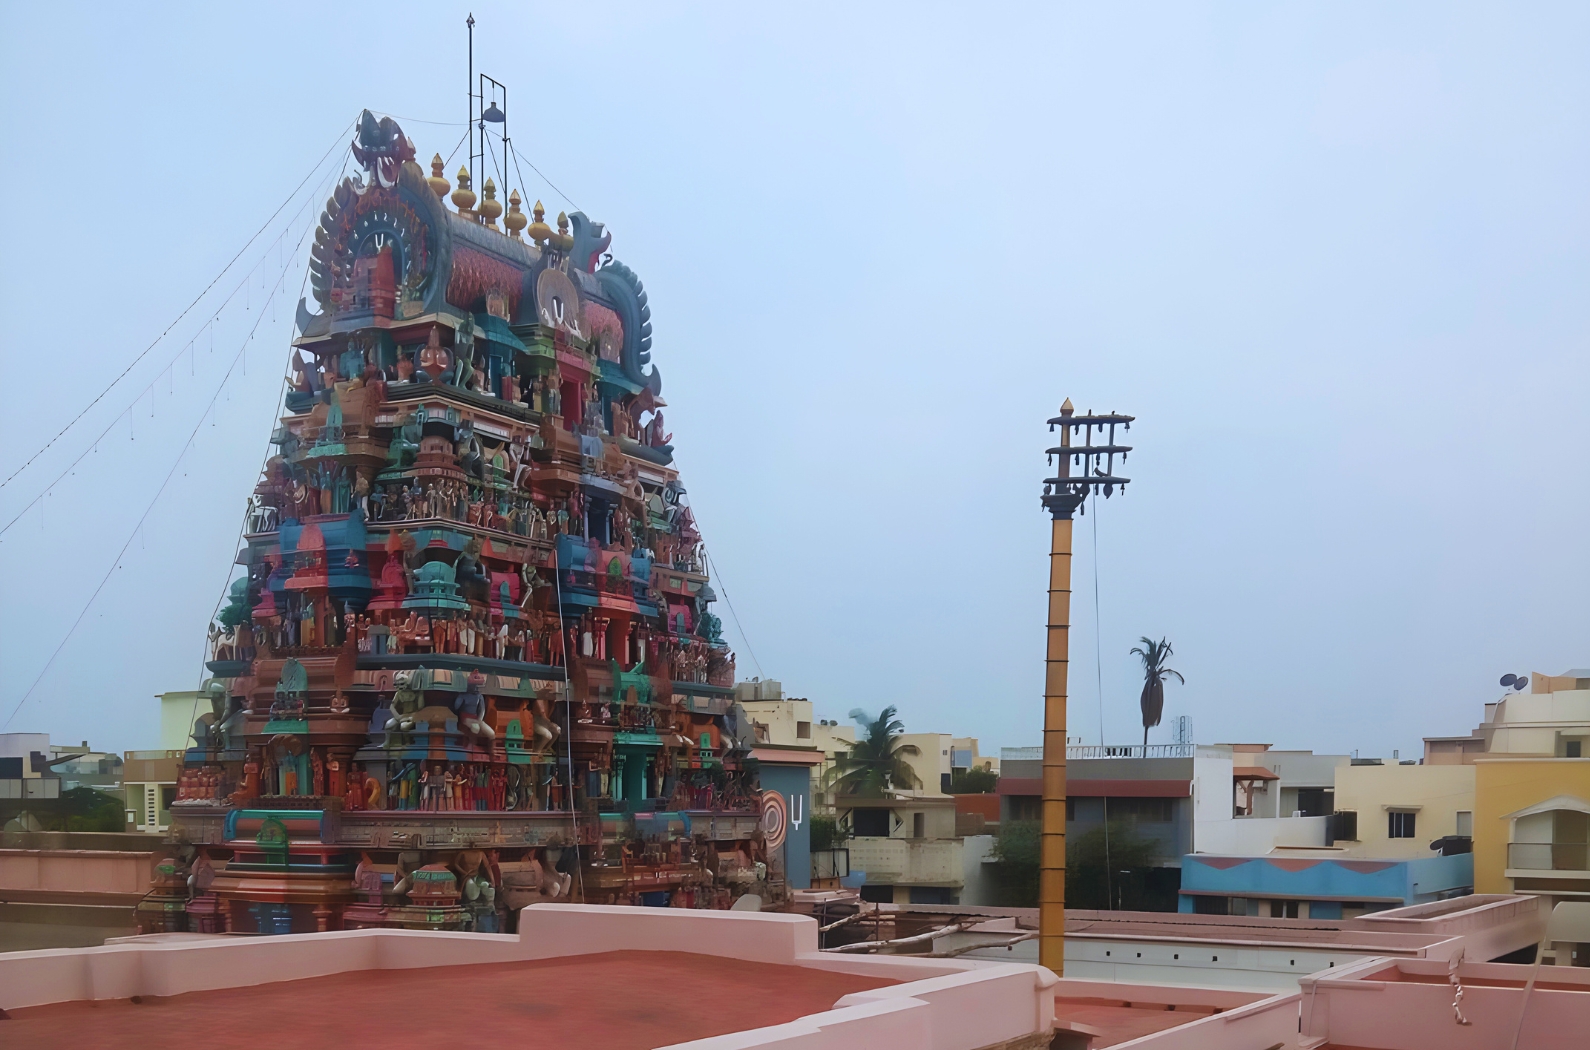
[[1400, 809], [1532, 826]]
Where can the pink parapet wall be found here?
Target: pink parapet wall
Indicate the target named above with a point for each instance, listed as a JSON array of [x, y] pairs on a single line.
[[1408, 1004], [936, 1004], [71, 875]]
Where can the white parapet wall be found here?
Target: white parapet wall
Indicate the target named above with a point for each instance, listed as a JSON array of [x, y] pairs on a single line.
[[1257, 836], [944, 1004]]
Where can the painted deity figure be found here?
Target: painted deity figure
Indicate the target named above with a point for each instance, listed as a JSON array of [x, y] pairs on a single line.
[[471, 709], [406, 700]]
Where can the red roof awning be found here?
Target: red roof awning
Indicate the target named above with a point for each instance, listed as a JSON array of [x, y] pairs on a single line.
[[1252, 773]]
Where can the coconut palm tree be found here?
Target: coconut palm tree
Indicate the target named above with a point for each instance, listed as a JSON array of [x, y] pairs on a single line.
[[1154, 655], [877, 762]]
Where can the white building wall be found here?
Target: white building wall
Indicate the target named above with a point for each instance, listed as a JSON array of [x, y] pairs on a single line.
[[1211, 791], [1257, 836]]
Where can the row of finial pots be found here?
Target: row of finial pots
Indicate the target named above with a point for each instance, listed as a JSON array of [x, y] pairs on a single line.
[[490, 208]]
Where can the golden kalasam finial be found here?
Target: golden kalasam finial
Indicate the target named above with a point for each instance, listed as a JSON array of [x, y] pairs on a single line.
[[464, 197], [438, 181], [515, 220], [490, 206], [563, 240], [540, 232]]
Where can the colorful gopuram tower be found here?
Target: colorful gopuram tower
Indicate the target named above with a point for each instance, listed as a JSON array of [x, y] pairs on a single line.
[[471, 664]]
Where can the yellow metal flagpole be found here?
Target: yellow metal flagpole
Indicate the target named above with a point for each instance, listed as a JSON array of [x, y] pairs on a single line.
[[1063, 497]]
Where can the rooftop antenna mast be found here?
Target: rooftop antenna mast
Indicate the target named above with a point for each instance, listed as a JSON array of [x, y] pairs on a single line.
[[481, 114], [469, 89]]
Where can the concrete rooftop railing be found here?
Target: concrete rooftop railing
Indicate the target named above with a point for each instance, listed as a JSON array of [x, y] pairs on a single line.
[[937, 1004]]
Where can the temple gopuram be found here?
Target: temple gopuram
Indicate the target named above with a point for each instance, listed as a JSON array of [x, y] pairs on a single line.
[[471, 664]]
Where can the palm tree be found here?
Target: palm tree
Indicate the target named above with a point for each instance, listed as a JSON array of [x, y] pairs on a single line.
[[877, 761], [1154, 655]]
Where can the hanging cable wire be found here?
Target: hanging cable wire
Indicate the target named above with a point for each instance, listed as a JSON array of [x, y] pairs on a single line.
[[242, 286], [1098, 671], [281, 396], [186, 310], [1098, 628], [456, 148], [138, 528], [741, 627], [544, 179], [438, 123]]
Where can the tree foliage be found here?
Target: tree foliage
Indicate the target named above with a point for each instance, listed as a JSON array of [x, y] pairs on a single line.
[[826, 834], [1098, 873], [973, 781], [1015, 867], [1154, 654], [1109, 866], [877, 761]]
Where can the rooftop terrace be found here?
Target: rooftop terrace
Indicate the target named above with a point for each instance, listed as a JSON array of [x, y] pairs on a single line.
[[625, 1000]]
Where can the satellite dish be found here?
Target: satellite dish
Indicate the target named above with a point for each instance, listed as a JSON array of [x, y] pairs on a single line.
[[1509, 679], [1520, 682]]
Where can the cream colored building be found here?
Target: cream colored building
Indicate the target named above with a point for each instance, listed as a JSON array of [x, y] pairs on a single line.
[[1399, 808], [1552, 720], [906, 843], [964, 755], [789, 722], [931, 763]]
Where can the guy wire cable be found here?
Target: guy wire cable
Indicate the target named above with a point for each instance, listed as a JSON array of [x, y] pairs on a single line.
[[179, 317], [241, 286], [1098, 669], [137, 528], [714, 567], [281, 396], [544, 179], [728, 601], [568, 737]]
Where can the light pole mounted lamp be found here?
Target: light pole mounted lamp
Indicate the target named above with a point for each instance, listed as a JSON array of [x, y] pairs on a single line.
[[1084, 468]]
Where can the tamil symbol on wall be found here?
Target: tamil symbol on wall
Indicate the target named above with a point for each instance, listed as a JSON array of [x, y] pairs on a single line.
[[775, 819]]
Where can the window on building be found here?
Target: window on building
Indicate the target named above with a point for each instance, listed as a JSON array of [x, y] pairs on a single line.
[[1572, 748], [1142, 810], [919, 825], [870, 823], [1283, 909], [1344, 826], [1400, 824], [1316, 802], [932, 895], [878, 894], [1071, 808], [803, 730], [1205, 905], [1465, 823]]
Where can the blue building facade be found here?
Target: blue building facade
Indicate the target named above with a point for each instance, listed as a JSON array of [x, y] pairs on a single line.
[[1317, 887], [793, 783]]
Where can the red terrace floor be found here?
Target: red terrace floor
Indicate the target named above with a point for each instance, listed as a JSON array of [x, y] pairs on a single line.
[[1118, 1022], [612, 1001]]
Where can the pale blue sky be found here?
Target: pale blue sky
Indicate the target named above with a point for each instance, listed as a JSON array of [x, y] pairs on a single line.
[[1333, 256]]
